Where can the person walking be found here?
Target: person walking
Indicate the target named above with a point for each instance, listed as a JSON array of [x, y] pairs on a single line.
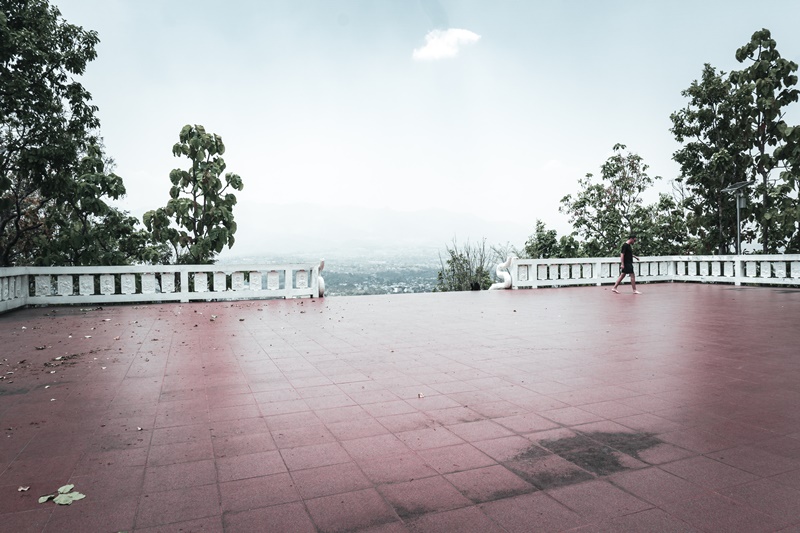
[[626, 258]]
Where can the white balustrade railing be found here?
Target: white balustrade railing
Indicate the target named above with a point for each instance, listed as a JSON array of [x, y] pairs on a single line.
[[738, 270], [21, 286]]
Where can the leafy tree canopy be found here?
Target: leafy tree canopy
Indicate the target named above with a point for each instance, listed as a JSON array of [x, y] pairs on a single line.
[[54, 181], [197, 221], [770, 81]]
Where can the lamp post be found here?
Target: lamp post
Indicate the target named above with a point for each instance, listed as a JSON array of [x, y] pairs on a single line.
[[741, 201]]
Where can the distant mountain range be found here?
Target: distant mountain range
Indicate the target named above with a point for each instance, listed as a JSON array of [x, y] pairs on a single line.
[[320, 231]]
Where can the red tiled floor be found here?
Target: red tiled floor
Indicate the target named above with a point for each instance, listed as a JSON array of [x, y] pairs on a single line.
[[180, 475], [254, 492], [350, 511], [489, 483], [531, 512], [415, 399], [713, 512], [420, 496], [94, 515], [645, 521], [243, 444], [286, 517], [179, 505], [404, 467], [598, 500], [327, 480], [709, 473], [314, 456], [455, 458], [211, 524], [464, 520], [249, 465], [770, 497], [755, 460]]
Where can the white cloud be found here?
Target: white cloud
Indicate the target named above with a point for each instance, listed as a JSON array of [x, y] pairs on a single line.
[[441, 44]]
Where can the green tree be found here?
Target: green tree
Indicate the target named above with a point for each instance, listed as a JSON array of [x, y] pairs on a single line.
[[665, 231], [84, 229], [770, 80], [714, 155], [46, 119], [790, 152], [466, 268], [605, 213], [543, 243], [199, 205]]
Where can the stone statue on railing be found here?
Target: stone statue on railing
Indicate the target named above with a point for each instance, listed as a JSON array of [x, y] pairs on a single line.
[[320, 281], [503, 273]]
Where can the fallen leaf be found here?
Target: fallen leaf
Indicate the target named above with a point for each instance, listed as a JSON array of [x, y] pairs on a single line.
[[67, 499], [22, 489], [65, 489], [47, 498]]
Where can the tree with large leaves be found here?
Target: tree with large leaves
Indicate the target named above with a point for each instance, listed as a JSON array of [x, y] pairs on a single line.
[[714, 156], [197, 221], [770, 81]]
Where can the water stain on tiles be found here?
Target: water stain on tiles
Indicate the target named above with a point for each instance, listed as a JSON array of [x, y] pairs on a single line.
[[509, 493], [570, 460], [12, 391]]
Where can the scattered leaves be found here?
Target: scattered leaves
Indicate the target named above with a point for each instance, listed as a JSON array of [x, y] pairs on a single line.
[[64, 496]]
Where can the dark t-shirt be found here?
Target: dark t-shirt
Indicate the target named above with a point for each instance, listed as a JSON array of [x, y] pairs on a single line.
[[627, 258]]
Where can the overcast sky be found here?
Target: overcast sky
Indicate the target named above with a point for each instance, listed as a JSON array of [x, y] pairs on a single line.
[[488, 108]]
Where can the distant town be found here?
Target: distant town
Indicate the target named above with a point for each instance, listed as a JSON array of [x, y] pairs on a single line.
[[364, 272]]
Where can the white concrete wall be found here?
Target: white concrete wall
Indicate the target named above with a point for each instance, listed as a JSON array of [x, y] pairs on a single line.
[[22, 286], [738, 270]]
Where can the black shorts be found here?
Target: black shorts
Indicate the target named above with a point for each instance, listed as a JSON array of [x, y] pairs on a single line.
[[628, 268]]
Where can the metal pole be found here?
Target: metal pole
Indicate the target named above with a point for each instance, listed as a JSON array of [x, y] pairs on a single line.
[[738, 225]]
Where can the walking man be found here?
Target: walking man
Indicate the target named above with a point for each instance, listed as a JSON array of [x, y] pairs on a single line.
[[626, 258]]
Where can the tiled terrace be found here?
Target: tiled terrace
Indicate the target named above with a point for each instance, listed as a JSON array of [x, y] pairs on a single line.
[[540, 410]]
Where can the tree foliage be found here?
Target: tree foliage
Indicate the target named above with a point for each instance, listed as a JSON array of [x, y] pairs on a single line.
[[714, 155], [604, 213], [46, 119], [197, 221], [54, 182], [733, 130], [544, 243], [466, 268], [83, 229], [770, 81]]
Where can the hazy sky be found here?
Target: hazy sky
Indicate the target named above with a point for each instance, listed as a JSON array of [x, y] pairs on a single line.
[[490, 108]]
